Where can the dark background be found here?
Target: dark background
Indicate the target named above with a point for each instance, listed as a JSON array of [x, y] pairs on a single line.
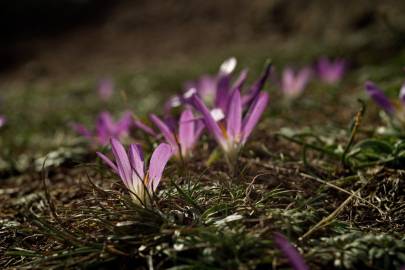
[[68, 37]]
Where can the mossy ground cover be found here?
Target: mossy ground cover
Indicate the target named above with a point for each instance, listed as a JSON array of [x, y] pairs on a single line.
[[316, 169]]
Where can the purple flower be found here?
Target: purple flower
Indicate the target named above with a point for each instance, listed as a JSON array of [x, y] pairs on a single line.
[[215, 91], [290, 252], [188, 132], [293, 83], [379, 97], [106, 128], [331, 71], [105, 89], [3, 120], [233, 131], [131, 168]]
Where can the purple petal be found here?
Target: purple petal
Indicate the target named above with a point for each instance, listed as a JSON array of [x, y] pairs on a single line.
[[165, 130], [234, 117], [206, 88], [210, 123], [136, 160], [253, 115], [331, 71], [105, 127], [139, 124], [293, 84], [124, 124], [157, 164], [123, 164], [186, 130], [378, 96], [223, 91], [290, 252], [108, 162], [239, 82], [257, 86]]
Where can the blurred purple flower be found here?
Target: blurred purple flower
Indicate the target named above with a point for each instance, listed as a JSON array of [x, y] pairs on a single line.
[[393, 108], [188, 132], [106, 128], [105, 89], [379, 97], [131, 168], [232, 132], [331, 71], [290, 252], [3, 120], [293, 82]]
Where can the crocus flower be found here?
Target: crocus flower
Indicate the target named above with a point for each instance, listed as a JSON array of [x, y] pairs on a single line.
[[215, 91], [293, 83], [290, 252], [130, 167], [379, 97], [393, 108], [106, 128], [2, 120], [188, 131], [105, 89], [331, 71], [232, 132]]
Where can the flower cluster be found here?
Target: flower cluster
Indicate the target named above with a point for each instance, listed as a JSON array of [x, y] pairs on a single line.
[[217, 104], [293, 82], [106, 128]]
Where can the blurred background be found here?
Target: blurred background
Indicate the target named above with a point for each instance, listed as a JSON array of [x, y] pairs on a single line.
[[53, 54], [47, 39]]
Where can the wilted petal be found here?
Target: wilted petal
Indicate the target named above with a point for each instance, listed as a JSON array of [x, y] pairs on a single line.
[[108, 162], [234, 117], [186, 130], [165, 130], [136, 160], [257, 86], [157, 164], [378, 96], [253, 115], [290, 252], [123, 164]]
